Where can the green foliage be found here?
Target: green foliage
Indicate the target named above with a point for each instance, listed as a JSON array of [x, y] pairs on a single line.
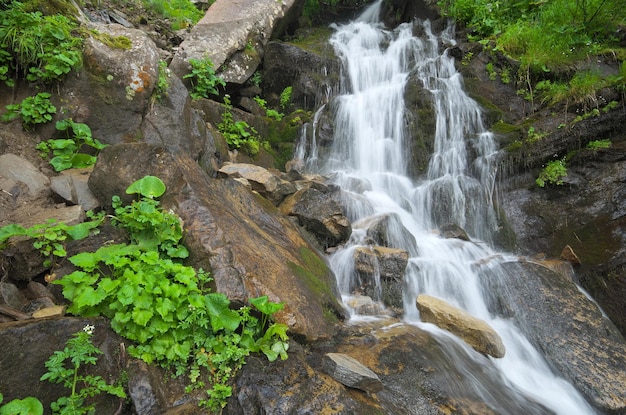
[[285, 97], [491, 71], [547, 37], [78, 351], [269, 112], [49, 238], [163, 82], [552, 173], [599, 144], [37, 109], [238, 134], [41, 48], [66, 152], [203, 77], [166, 307], [26, 406], [181, 13], [256, 78]]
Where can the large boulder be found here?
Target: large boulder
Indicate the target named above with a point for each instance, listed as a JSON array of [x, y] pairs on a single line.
[[317, 212], [112, 92], [233, 35], [310, 67], [413, 369], [268, 183], [570, 329], [474, 331], [249, 247]]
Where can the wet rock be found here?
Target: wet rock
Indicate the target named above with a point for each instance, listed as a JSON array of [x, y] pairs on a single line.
[[249, 247], [475, 332], [320, 214], [584, 346], [268, 183], [377, 265], [311, 69], [352, 373], [568, 254], [452, 230], [364, 306], [387, 230], [72, 186], [15, 169]]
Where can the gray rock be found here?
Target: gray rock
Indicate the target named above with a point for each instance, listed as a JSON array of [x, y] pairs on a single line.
[[352, 373], [318, 213], [387, 230], [584, 346], [17, 169], [233, 36], [72, 186], [11, 296]]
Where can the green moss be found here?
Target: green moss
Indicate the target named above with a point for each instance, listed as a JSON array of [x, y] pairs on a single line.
[[315, 40], [114, 42], [502, 127]]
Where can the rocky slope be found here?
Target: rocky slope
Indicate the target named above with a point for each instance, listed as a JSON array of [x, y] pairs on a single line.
[[262, 231]]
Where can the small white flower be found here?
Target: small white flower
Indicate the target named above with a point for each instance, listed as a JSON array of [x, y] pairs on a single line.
[[89, 329]]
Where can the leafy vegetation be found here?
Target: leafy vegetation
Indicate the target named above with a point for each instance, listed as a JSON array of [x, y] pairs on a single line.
[[238, 134], [553, 173], [599, 144], [26, 406], [285, 97], [49, 238], [269, 112], [79, 351], [41, 48], [203, 78], [167, 308], [181, 13], [547, 39], [163, 82], [66, 151], [33, 110]]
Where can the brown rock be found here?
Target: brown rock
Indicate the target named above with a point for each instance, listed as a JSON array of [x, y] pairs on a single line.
[[475, 332]]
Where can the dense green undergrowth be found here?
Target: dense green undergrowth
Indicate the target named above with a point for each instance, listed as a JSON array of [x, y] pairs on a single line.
[[555, 43], [151, 298]]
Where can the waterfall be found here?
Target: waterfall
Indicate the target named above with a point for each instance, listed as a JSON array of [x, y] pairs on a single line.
[[368, 160]]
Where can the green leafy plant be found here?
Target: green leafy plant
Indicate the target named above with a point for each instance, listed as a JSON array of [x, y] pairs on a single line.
[[181, 13], [238, 134], [34, 110], [256, 78], [78, 352], [491, 71], [285, 97], [50, 238], [599, 144], [66, 151], [26, 406], [42, 48], [269, 112], [203, 78], [165, 307], [163, 82], [553, 173]]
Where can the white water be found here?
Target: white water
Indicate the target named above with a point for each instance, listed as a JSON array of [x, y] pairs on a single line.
[[369, 152]]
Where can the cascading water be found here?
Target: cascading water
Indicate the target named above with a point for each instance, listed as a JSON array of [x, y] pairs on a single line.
[[368, 161]]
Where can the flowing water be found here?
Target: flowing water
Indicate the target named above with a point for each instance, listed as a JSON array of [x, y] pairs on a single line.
[[368, 160]]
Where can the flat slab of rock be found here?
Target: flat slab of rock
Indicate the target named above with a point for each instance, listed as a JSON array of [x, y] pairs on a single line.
[[474, 331], [352, 373], [232, 32], [14, 168], [72, 186]]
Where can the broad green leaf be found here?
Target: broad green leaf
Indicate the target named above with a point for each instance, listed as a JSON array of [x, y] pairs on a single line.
[[13, 229], [265, 306], [220, 314], [60, 163], [148, 186], [142, 317], [82, 230], [26, 406], [82, 160]]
